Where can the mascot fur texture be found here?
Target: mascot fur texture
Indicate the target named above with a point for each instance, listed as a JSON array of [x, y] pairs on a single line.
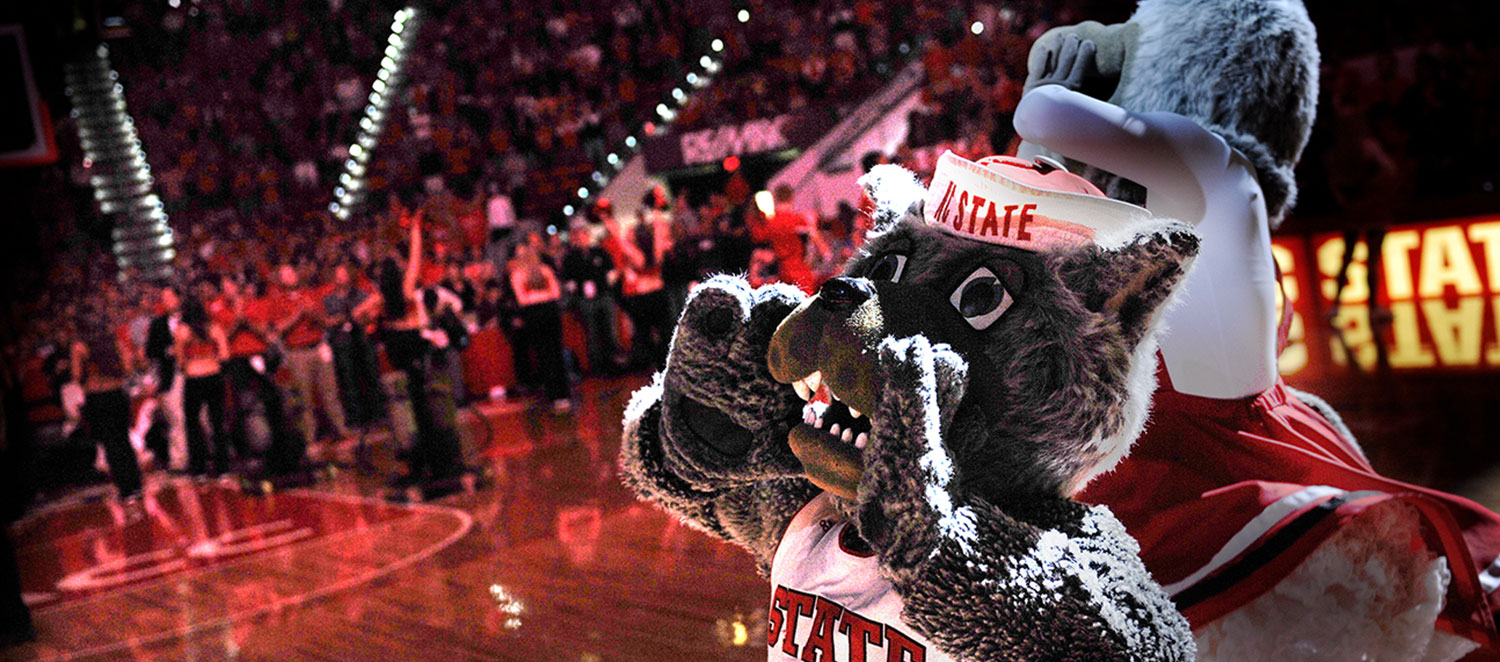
[[965, 442]]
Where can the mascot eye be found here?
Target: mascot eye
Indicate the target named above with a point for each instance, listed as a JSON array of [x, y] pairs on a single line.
[[888, 267], [981, 298]]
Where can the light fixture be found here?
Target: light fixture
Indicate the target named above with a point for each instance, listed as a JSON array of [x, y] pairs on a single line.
[[717, 45], [976, 27], [744, 16]]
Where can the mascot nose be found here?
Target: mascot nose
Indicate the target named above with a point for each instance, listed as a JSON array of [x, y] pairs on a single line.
[[845, 293]]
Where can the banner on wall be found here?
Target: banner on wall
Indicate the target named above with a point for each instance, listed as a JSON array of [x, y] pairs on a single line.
[[1437, 307], [759, 136]]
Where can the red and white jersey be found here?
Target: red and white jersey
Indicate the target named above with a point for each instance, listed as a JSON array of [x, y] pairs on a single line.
[[827, 594], [1227, 497]]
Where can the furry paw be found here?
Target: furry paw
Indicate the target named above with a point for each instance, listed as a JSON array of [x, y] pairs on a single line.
[[903, 496], [724, 419]]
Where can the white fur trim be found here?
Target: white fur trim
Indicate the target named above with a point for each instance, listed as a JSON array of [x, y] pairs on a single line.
[[1252, 531], [1367, 593]]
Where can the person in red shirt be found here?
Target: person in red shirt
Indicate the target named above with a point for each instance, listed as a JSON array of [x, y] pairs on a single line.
[[786, 230], [298, 321], [639, 252], [255, 419]]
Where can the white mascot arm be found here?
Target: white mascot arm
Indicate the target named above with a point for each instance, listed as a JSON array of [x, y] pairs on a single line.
[[1220, 339]]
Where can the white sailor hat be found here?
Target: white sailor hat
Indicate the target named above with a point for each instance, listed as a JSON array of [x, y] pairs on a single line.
[[1023, 204]]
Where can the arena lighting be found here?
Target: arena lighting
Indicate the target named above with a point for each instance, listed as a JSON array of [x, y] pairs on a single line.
[[977, 28], [705, 61], [765, 203], [118, 171], [717, 45], [692, 78], [385, 88], [613, 158], [583, 192], [744, 16], [678, 94], [630, 141], [568, 210]]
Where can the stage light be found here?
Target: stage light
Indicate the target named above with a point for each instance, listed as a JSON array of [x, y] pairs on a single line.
[[731, 163], [613, 158], [597, 176], [583, 192], [661, 109], [678, 94], [744, 16], [977, 28], [378, 85], [629, 142], [765, 203], [717, 45], [356, 149], [334, 207], [567, 210], [387, 63], [383, 74], [705, 61], [692, 78]]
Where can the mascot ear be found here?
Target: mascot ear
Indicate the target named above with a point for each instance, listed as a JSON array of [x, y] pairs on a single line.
[[1131, 282], [896, 193]]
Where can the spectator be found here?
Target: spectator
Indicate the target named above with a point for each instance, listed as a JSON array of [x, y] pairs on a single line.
[[638, 253], [201, 346], [398, 309], [255, 419], [167, 436], [356, 369], [101, 363], [588, 277], [538, 294], [297, 310]]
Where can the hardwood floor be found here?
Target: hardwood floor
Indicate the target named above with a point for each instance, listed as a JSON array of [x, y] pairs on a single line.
[[555, 560]]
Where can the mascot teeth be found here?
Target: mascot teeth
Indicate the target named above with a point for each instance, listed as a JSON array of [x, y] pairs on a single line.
[[808, 386]]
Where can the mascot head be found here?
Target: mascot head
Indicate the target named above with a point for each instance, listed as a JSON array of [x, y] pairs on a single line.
[[1048, 292], [1247, 71]]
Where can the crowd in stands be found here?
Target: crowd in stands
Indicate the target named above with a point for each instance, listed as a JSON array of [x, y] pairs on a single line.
[[245, 110]]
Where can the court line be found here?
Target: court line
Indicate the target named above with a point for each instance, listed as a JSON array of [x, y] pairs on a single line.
[[466, 522]]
